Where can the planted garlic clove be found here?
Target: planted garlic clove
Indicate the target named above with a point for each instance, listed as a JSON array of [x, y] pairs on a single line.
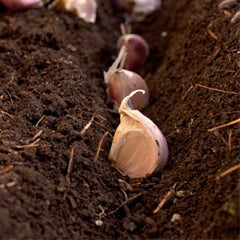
[[121, 82], [85, 9], [137, 49], [139, 9], [21, 4], [139, 147]]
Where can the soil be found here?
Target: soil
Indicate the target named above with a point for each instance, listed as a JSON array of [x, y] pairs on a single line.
[[52, 84]]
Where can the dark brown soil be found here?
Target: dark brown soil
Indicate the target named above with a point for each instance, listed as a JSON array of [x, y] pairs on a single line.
[[52, 84]]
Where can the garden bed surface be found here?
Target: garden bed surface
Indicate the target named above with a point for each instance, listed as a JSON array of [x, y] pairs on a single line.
[[51, 75]]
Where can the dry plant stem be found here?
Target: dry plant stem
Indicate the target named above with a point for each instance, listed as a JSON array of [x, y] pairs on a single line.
[[224, 125], [9, 95], [6, 169], [33, 144], [6, 114], [87, 126], [100, 145], [36, 136], [236, 17], [124, 203], [212, 34], [11, 78], [70, 164], [213, 56], [166, 199], [230, 170], [185, 94], [230, 140], [217, 90], [40, 120], [112, 111]]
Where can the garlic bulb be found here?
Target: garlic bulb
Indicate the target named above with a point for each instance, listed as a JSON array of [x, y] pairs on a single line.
[[137, 48], [121, 82], [85, 9], [139, 9], [20, 4], [139, 147]]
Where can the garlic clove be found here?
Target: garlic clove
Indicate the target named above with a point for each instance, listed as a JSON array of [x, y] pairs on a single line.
[[21, 4], [85, 9], [121, 82], [137, 49], [139, 147], [139, 9]]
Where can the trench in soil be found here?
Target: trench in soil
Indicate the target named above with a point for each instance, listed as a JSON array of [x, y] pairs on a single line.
[[52, 84]]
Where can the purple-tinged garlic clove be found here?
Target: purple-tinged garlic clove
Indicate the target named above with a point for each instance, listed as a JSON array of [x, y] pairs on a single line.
[[139, 148], [137, 49], [121, 82], [16, 5], [85, 9]]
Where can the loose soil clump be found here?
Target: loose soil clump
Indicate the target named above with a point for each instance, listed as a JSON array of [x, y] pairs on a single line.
[[54, 181]]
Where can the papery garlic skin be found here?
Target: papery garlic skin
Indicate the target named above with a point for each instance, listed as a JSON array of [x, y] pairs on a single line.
[[137, 49], [21, 4], [85, 9], [139, 9], [121, 83], [139, 147]]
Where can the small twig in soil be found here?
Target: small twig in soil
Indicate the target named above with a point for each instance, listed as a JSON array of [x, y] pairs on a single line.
[[100, 145], [9, 95], [170, 194], [212, 34], [112, 111], [217, 90], [33, 144], [70, 164], [87, 126], [224, 125], [230, 170], [11, 78], [125, 194], [38, 122], [35, 136], [212, 57], [6, 169], [230, 140], [185, 94], [7, 114], [124, 203]]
